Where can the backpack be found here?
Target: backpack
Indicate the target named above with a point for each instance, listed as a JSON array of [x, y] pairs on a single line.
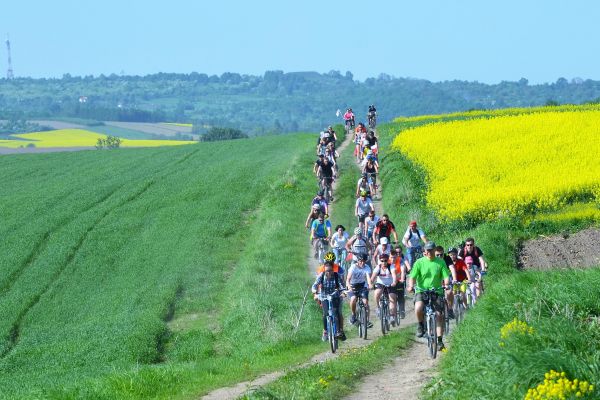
[[411, 233]]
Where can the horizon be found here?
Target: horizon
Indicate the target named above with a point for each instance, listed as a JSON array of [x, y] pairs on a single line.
[[435, 41]]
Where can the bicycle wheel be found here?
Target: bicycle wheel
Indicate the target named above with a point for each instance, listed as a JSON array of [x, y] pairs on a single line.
[[386, 316], [361, 327], [446, 319], [432, 335], [331, 332], [382, 316], [363, 322]]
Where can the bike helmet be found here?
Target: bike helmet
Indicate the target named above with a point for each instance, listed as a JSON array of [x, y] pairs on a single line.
[[363, 257], [316, 206], [357, 231], [384, 256], [329, 256], [452, 250], [321, 193], [363, 193], [383, 240]]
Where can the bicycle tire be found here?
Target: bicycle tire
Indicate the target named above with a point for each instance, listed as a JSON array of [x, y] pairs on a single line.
[[364, 322], [432, 335], [446, 319], [331, 331], [382, 317], [387, 318], [360, 325]]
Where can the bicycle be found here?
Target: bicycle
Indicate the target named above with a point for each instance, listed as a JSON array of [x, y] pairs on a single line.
[[372, 120], [322, 247], [431, 320], [326, 186], [361, 318], [341, 257], [459, 306], [384, 309], [332, 319]]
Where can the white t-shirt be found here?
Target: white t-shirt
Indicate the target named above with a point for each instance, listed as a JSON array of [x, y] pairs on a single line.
[[383, 276], [414, 238], [363, 206], [339, 241], [358, 275]]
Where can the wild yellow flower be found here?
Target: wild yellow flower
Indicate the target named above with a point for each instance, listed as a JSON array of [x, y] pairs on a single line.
[[557, 386]]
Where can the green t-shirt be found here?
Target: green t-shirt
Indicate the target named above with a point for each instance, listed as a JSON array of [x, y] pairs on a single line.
[[429, 273]]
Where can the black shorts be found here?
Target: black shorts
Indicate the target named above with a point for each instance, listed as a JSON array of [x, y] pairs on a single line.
[[438, 300], [360, 290], [361, 218]]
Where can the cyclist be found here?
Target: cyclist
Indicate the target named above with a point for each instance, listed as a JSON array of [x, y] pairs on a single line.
[[371, 115], [463, 273], [328, 282], [359, 136], [429, 272], [359, 282], [320, 229], [475, 252], [371, 170], [412, 240], [370, 223], [320, 200], [312, 215], [338, 243], [364, 184], [476, 278], [357, 245], [326, 172], [385, 228], [385, 275], [349, 119], [362, 207], [321, 146], [317, 164], [382, 248], [439, 253], [401, 266], [332, 134]]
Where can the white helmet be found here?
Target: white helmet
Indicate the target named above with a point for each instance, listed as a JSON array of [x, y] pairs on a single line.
[[383, 240]]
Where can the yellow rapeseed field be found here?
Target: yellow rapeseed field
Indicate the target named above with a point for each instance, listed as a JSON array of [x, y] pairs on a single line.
[[78, 138], [505, 165]]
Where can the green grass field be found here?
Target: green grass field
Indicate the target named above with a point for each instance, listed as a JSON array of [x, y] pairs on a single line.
[[561, 306], [153, 273]]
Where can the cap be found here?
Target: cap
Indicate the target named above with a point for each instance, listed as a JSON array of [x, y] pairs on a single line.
[[430, 246], [413, 223]]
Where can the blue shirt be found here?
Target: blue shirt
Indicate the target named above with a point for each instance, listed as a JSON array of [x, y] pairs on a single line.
[[320, 228]]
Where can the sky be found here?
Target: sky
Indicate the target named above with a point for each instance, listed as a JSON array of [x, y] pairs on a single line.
[[438, 40]]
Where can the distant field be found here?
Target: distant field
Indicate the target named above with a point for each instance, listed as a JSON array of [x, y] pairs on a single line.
[[480, 169], [77, 138], [153, 273]]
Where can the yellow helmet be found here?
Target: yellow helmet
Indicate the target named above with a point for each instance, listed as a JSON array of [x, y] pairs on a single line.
[[329, 256]]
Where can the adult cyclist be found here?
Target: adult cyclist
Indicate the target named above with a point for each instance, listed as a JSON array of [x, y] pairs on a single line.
[[357, 245], [320, 200], [329, 282], [401, 266], [463, 273], [412, 240], [429, 272], [320, 230], [372, 115], [349, 119], [358, 280], [385, 276], [338, 243], [362, 207], [385, 228]]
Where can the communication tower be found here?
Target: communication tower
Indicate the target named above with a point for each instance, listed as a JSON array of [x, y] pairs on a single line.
[[9, 72]]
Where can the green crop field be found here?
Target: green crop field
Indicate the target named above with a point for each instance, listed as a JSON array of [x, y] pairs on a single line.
[[153, 273]]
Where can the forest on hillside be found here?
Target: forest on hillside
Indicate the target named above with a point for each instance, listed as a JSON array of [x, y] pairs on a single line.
[[276, 102]]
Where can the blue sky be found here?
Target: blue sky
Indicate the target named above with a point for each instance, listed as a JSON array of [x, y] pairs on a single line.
[[436, 40]]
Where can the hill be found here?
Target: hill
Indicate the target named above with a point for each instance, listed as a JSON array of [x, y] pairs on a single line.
[[273, 103]]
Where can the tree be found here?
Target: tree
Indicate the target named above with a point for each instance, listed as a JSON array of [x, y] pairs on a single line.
[[216, 133]]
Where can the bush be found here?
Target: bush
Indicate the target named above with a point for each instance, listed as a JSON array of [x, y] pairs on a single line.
[[216, 133], [110, 142]]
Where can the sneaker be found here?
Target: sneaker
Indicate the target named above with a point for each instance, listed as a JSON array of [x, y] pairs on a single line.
[[325, 336], [450, 314], [440, 345], [369, 324], [352, 319], [420, 331], [402, 315], [393, 321], [341, 335]]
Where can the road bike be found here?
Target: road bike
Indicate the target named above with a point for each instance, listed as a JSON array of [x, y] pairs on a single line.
[[332, 319]]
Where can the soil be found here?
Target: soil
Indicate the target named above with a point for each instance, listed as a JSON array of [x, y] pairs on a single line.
[[577, 250], [26, 150]]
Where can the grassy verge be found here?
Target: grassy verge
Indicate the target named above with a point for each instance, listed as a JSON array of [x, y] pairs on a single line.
[[337, 377], [562, 307]]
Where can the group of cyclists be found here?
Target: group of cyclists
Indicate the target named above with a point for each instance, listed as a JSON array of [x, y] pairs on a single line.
[[372, 257]]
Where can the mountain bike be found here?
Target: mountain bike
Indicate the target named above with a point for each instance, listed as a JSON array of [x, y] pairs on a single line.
[[459, 306], [322, 247], [372, 120], [361, 317], [326, 186], [430, 297], [332, 319], [384, 309]]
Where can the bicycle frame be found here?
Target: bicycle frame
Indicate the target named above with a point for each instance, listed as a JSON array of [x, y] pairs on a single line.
[[332, 319]]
